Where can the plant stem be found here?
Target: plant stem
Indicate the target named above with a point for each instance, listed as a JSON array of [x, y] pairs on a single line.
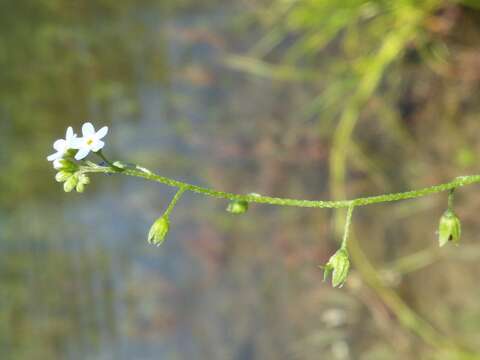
[[450, 198], [348, 222], [362, 201], [99, 153], [174, 201]]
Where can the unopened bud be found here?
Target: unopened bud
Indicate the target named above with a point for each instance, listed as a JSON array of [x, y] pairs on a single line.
[[62, 176], [80, 187], [84, 179], [70, 184], [159, 231], [449, 228], [237, 207], [338, 265]]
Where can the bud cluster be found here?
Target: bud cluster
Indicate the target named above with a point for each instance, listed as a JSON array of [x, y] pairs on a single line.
[[70, 177]]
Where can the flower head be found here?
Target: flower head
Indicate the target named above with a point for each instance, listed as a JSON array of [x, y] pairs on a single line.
[[91, 140], [63, 145]]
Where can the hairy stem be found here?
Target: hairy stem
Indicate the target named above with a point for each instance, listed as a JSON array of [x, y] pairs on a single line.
[[362, 201]]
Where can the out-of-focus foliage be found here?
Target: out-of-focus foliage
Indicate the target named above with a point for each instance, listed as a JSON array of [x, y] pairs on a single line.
[[388, 77]]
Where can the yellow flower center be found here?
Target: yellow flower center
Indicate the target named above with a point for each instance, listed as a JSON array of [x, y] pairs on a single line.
[[89, 141]]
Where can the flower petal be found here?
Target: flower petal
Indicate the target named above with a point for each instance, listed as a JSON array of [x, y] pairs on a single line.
[[82, 153], [56, 156], [102, 132], [88, 129], [76, 143], [59, 145], [69, 135], [97, 145]]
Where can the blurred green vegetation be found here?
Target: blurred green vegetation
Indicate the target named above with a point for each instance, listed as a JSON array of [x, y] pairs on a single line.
[[310, 98], [378, 63]]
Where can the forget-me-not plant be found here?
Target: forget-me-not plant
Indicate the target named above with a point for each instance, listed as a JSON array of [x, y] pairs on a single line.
[[70, 159]]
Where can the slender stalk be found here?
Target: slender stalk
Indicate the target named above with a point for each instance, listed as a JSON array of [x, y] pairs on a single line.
[[450, 198], [348, 222], [362, 201], [174, 201], [99, 153]]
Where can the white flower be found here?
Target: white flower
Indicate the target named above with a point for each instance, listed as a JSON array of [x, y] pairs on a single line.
[[63, 145], [91, 140]]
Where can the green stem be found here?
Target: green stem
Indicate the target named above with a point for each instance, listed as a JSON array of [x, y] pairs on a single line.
[[174, 201], [362, 201], [450, 199], [348, 222], [99, 153]]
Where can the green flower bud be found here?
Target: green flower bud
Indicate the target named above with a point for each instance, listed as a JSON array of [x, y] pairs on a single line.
[[70, 184], [339, 264], [237, 207], [84, 179], [80, 187], [63, 175], [159, 231], [449, 228]]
